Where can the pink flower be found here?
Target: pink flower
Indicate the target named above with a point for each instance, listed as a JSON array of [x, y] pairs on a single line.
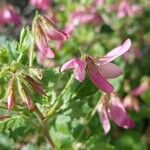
[[8, 15], [96, 3], [111, 108], [85, 17], [98, 69], [127, 9], [10, 100], [142, 88], [131, 102], [44, 30], [41, 4]]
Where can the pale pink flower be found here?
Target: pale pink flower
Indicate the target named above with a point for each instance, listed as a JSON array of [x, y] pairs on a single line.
[[127, 9], [86, 16], [111, 108], [96, 3], [44, 30], [142, 88], [130, 102], [8, 15], [98, 69], [41, 4], [133, 54], [10, 100]]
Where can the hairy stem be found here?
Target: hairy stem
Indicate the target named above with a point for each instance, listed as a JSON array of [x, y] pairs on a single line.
[[44, 128], [31, 55], [58, 100]]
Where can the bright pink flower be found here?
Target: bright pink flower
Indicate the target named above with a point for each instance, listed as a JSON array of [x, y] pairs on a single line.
[[41, 4], [8, 15], [111, 108], [44, 30], [10, 100], [130, 102], [98, 69]]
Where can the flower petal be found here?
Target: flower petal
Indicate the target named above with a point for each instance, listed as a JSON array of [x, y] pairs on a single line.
[[118, 113], [96, 76], [118, 51], [110, 71], [68, 65], [103, 118], [79, 69], [10, 100], [51, 31], [42, 43]]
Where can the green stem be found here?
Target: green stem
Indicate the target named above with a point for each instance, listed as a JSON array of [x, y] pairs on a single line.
[[20, 56], [58, 100], [31, 55], [88, 117], [44, 128]]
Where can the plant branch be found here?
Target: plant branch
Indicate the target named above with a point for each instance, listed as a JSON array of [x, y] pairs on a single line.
[[44, 128], [58, 100]]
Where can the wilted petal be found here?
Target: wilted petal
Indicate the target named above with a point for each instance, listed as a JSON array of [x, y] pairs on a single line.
[[29, 103], [110, 70], [79, 69], [103, 118], [42, 43], [10, 100], [96, 76], [118, 51], [118, 113], [51, 31], [68, 65], [36, 86]]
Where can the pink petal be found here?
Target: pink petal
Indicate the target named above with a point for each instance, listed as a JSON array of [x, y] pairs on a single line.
[[51, 31], [110, 70], [103, 118], [40, 4], [68, 65], [29, 103], [118, 113], [10, 100], [96, 76], [118, 51], [42, 43], [142, 88], [79, 69], [78, 66]]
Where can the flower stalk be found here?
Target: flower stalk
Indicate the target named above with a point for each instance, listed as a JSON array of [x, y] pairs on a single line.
[[58, 100]]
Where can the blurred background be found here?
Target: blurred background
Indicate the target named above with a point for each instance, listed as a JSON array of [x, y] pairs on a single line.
[[94, 27]]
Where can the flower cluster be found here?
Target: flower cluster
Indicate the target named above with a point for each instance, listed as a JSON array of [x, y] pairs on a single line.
[[8, 15]]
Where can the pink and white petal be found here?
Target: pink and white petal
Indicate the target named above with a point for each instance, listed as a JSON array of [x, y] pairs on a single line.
[[103, 118], [96, 77], [118, 51], [10, 101], [118, 113], [110, 70], [79, 69], [51, 31], [68, 65]]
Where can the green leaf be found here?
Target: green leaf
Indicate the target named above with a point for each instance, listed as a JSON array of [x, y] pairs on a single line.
[[26, 40], [86, 88]]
